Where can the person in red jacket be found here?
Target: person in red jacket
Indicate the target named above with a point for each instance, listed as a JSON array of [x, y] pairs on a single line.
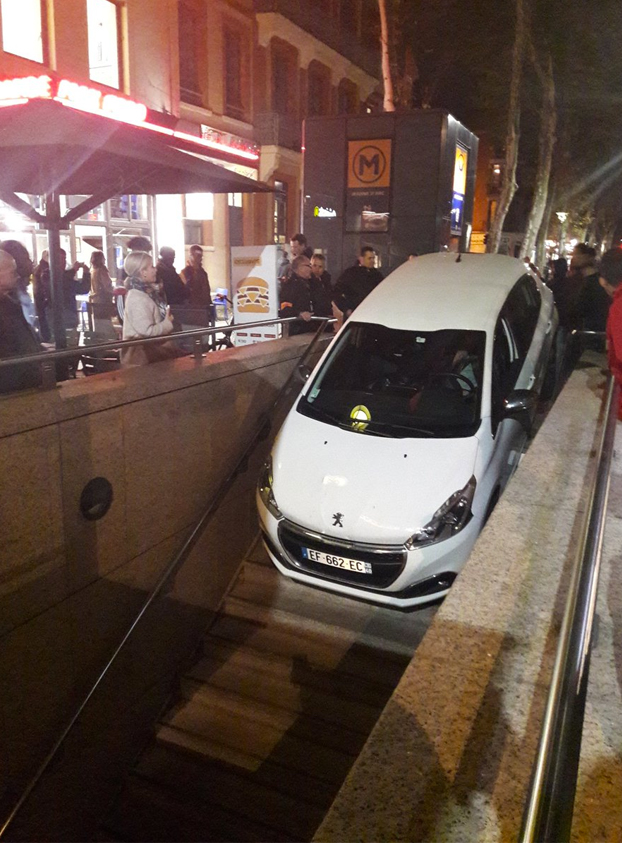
[[611, 281]]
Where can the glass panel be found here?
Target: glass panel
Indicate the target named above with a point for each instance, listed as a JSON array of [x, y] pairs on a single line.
[[385, 382], [233, 72], [21, 28], [103, 42]]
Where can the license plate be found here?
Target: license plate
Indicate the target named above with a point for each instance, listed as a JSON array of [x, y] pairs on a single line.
[[336, 561]]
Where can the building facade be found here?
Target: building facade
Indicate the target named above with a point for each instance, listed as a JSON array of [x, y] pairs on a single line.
[[242, 74]]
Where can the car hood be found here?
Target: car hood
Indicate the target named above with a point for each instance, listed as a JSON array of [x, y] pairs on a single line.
[[382, 489]]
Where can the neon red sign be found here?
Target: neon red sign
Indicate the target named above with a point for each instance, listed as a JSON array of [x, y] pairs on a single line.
[[85, 98]]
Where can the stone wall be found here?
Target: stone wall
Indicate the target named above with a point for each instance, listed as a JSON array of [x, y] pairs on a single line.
[[165, 436], [451, 757]]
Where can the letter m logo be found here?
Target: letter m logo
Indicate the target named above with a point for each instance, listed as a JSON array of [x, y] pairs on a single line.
[[368, 168], [369, 163]]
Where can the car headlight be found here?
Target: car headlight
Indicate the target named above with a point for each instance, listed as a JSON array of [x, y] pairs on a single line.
[[264, 487], [448, 520]]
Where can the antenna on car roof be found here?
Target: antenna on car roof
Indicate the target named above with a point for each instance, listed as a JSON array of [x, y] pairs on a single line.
[[459, 258]]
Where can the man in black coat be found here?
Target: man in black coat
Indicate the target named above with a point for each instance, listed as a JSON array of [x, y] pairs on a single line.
[[296, 297], [321, 289], [357, 282], [167, 276], [16, 336]]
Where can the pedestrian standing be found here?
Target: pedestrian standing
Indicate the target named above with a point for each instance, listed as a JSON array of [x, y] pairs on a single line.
[[42, 295], [174, 288], [357, 282], [611, 283], [146, 315], [196, 280], [24, 265], [17, 338], [295, 298], [321, 289], [101, 293]]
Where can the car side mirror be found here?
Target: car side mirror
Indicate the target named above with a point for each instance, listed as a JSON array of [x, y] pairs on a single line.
[[521, 405]]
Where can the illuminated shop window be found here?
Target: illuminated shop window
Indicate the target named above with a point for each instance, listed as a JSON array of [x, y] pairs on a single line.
[[103, 42], [21, 28], [235, 200], [128, 207], [200, 206]]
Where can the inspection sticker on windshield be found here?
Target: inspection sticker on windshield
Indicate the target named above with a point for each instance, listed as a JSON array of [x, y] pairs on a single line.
[[336, 561]]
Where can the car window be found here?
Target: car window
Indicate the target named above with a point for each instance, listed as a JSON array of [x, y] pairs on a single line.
[[506, 366], [522, 309], [386, 382]]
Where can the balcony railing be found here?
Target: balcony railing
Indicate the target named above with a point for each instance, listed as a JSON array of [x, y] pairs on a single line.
[[313, 21], [276, 129]]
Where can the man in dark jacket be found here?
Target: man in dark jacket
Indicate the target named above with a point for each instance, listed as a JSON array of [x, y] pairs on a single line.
[[321, 289], [16, 336], [167, 276], [357, 282], [296, 296]]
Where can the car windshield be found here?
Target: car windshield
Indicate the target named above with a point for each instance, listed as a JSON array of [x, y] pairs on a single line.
[[384, 382]]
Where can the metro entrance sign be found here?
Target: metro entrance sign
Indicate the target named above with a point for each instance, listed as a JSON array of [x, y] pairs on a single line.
[[21, 90]]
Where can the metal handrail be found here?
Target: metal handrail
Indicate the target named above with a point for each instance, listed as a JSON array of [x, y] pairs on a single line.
[[173, 567], [114, 345], [550, 804]]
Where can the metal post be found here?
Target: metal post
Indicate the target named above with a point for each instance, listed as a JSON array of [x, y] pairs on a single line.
[[53, 222]]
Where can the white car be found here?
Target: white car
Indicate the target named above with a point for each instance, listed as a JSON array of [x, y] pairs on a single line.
[[401, 442]]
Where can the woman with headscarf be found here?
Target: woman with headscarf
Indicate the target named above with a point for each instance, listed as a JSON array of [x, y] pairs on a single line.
[[146, 313]]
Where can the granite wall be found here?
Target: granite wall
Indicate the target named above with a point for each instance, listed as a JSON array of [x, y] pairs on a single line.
[[164, 436]]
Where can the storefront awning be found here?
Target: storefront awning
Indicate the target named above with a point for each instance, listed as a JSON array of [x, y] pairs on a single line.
[[58, 137], [46, 147]]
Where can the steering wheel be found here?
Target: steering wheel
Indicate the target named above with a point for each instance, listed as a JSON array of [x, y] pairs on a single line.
[[459, 381]]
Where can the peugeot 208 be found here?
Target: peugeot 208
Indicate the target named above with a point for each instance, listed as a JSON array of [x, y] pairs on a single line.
[[401, 442]]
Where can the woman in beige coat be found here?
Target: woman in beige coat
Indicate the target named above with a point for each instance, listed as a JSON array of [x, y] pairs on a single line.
[[146, 314]]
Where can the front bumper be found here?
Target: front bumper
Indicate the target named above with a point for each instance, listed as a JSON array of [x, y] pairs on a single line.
[[400, 578]]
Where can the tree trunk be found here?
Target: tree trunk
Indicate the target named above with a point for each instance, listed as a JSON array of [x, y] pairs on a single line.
[[509, 186], [389, 99], [548, 125], [544, 228]]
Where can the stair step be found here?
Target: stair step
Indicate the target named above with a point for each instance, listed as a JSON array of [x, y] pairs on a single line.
[[300, 719], [256, 741], [298, 671], [352, 658], [289, 811], [358, 715], [146, 812]]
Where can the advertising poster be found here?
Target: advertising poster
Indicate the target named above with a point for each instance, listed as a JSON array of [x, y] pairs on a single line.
[[457, 203], [255, 291], [368, 185]]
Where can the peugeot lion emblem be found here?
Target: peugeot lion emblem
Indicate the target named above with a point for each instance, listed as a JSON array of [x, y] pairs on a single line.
[[338, 519]]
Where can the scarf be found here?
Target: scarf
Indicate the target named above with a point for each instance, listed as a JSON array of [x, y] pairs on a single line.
[[133, 282]]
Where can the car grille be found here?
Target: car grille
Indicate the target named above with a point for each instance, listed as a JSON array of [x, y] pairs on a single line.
[[387, 563]]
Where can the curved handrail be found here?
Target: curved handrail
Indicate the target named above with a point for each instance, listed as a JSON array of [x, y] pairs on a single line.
[[171, 569], [550, 804]]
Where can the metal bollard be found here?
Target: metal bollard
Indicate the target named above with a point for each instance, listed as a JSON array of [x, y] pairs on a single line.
[[198, 349], [48, 374]]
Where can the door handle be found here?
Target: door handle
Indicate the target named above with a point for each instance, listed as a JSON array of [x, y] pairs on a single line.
[[532, 380], [549, 326]]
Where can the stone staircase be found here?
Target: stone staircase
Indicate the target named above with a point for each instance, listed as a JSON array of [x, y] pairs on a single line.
[[271, 716]]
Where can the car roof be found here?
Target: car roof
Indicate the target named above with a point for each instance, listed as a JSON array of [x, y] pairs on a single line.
[[438, 291]]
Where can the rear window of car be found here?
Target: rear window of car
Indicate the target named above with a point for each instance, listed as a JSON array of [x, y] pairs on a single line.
[[386, 382]]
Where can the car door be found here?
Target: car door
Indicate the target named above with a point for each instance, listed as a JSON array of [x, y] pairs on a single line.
[[509, 436]]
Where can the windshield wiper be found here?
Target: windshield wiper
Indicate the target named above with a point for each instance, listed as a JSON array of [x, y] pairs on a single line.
[[424, 431]]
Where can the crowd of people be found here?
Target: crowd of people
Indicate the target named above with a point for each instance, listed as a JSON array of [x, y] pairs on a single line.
[[306, 288], [588, 295], [26, 318]]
